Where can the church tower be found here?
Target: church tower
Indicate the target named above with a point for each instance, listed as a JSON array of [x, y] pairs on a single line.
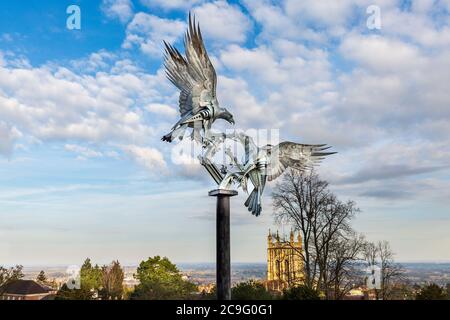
[[284, 261]]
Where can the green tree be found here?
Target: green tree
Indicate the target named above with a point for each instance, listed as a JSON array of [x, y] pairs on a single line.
[[42, 278], [432, 292], [64, 293], [159, 279], [402, 291], [250, 290], [90, 276], [112, 280], [90, 284], [9, 274], [300, 293]]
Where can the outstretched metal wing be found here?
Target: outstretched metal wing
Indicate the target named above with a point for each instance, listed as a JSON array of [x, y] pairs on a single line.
[[194, 75], [201, 67], [294, 155]]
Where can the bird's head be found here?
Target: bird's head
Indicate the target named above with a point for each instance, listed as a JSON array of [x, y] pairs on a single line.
[[226, 115]]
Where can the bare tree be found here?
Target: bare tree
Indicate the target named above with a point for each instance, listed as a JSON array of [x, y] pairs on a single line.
[[112, 281], [344, 266], [391, 272], [371, 257], [381, 255], [304, 201], [297, 201]]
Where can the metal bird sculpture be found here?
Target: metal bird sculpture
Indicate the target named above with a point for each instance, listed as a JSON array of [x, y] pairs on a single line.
[[196, 78], [271, 161]]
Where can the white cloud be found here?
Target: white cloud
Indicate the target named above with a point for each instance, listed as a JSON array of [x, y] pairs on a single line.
[[54, 104], [150, 158], [83, 152], [120, 9], [270, 81], [148, 32], [389, 96], [259, 61], [422, 6], [162, 109], [418, 26], [330, 13], [170, 4], [334, 16], [393, 89], [220, 20], [95, 62], [8, 136], [62, 105], [395, 84], [275, 23], [242, 103], [381, 54]]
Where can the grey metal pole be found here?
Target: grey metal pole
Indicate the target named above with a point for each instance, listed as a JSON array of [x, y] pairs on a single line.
[[223, 266]]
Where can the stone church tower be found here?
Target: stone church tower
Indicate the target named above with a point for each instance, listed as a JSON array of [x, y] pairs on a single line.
[[284, 262]]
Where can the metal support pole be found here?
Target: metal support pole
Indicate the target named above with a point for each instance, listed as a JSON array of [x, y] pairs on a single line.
[[223, 266]]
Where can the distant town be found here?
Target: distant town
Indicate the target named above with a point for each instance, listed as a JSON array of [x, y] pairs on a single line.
[[204, 274]]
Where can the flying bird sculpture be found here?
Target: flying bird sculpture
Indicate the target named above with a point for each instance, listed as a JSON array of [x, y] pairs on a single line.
[[272, 161], [268, 163], [195, 77]]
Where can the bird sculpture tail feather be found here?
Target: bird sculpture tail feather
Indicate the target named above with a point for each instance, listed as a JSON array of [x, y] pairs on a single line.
[[253, 202]]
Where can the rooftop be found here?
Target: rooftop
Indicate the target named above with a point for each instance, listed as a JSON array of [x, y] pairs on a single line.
[[24, 287]]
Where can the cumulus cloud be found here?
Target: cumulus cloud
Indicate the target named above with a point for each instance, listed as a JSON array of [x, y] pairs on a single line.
[[381, 54], [8, 136], [316, 62], [223, 21], [274, 22], [259, 61], [54, 104], [120, 9], [425, 16], [83, 152], [162, 109], [398, 94], [330, 13], [285, 77], [59, 104], [244, 105], [147, 32], [95, 62], [386, 105], [171, 4], [148, 157]]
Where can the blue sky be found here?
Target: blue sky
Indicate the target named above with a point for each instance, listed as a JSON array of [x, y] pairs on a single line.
[[83, 171]]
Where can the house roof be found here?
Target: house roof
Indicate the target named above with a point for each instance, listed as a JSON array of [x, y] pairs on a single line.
[[24, 287]]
